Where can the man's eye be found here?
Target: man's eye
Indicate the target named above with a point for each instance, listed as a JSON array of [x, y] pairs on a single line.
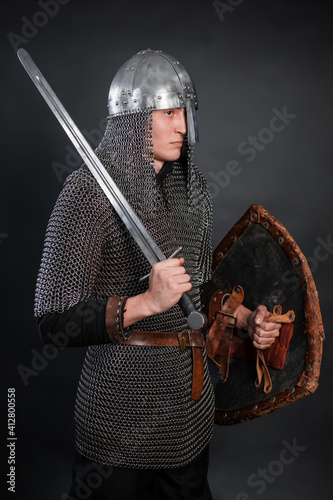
[[168, 112]]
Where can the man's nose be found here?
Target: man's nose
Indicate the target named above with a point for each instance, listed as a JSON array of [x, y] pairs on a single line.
[[181, 126]]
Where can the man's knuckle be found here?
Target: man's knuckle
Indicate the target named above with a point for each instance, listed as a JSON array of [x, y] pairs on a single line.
[[169, 281]]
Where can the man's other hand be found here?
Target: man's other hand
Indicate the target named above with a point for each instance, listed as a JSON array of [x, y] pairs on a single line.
[[263, 333]]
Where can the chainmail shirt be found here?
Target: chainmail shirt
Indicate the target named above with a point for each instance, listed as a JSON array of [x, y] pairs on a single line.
[[133, 405]]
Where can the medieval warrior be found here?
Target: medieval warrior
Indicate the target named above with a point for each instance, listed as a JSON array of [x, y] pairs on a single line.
[[144, 409]]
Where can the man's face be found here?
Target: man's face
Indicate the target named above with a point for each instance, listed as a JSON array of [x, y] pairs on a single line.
[[169, 129]]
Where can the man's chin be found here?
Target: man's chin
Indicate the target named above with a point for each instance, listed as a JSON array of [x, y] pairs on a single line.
[[174, 155]]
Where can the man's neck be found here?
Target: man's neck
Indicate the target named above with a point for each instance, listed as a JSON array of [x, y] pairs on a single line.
[[165, 170], [158, 164]]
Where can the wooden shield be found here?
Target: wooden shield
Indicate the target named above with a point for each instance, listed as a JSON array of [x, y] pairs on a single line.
[[259, 254]]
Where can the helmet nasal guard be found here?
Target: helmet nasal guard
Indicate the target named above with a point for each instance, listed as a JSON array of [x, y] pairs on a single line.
[[154, 80]]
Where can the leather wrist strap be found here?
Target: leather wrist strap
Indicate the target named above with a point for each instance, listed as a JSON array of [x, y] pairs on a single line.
[[114, 315]]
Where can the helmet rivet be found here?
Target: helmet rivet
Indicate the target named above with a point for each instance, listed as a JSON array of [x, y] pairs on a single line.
[[159, 97]]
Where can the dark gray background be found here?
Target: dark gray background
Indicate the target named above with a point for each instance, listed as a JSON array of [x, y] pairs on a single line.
[[263, 55]]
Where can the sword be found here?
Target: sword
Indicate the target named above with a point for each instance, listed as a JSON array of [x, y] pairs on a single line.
[[195, 319]]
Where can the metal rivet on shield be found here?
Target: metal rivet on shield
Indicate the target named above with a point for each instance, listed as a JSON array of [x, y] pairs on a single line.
[[225, 414], [220, 255], [254, 407], [310, 341], [308, 368], [281, 240], [222, 376], [292, 390], [303, 381], [273, 399], [296, 261], [266, 225], [254, 216], [233, 238]]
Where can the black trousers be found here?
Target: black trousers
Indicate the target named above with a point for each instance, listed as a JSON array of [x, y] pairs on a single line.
[[94, 481]]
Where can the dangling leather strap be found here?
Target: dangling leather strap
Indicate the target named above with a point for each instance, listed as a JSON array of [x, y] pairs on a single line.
[[197, 362], [262, 371], [198, 373]]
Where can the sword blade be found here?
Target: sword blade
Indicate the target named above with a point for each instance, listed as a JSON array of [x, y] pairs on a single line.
[[111, 190]]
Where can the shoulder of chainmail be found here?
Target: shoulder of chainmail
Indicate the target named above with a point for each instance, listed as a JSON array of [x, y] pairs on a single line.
[[75, 232]]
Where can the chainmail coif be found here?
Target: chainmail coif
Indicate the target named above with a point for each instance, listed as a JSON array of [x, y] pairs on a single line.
[[133, 405]]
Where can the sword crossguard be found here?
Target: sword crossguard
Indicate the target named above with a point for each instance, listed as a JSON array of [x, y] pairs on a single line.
[[174, 254]]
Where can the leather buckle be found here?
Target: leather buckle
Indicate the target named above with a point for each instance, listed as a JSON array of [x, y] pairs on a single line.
[[229, 316]]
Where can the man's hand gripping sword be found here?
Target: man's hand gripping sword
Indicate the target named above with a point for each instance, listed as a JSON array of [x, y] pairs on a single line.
[[152, 252]]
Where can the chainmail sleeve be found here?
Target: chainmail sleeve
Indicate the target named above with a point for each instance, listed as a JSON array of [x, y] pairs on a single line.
[[73, 247]]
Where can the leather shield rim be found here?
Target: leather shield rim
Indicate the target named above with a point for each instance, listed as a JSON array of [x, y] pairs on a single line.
[[308, 381]]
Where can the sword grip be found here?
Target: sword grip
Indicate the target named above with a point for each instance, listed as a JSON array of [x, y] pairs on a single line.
[[195, 319]]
